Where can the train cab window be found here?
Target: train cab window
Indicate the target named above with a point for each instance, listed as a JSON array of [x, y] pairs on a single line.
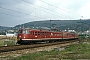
[[27, 32], [20, 31], [24, 31]]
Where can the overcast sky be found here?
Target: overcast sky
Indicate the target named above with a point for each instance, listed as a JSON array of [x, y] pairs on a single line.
[[14, 12]]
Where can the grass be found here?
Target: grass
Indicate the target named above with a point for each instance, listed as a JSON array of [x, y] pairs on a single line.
[[37, 56], [79, 51], [1, 42], [7, 41], [74, 52]]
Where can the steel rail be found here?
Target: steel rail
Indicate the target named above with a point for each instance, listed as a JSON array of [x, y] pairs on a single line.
[[21, 47]]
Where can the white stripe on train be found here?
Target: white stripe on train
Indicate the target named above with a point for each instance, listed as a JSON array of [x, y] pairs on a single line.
[[48, 38]]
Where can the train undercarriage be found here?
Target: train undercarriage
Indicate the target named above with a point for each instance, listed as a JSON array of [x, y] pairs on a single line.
[[44, 41]]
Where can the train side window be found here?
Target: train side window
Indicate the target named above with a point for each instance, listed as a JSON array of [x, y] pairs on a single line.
[[42, 33], [45, 33], [57, 34], [60, 34], [38, 33], [31, 33], [48, 33], [35, 33], [54, 34]]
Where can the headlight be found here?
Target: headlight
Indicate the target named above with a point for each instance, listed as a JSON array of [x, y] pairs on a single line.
[[24, 36]]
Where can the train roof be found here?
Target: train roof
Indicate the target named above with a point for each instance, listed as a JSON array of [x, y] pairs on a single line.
[[49, 30]]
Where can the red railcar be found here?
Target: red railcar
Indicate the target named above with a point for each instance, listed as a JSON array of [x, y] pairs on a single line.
[[27, 36]]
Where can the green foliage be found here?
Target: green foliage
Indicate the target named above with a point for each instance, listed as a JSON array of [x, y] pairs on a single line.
[[79, 51], [61, 24], [74, 52], [5, 42], [1, 42]]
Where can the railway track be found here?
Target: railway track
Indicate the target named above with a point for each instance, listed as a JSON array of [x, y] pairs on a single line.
[[21, 47]]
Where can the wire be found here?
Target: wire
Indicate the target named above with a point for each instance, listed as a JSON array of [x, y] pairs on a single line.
[[40, 10], [59, 8], [9, 15], [19, 12], [47, 9], [13, 6], [40, 7], [15, 16], [30, 14], [13, 10]]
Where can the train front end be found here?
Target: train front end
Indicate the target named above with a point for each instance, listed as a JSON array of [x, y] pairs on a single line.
[[23, 35]]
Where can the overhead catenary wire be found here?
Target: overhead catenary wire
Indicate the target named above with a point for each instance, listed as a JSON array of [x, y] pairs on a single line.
[[60, 8], [12, 6], [59, 14], [35, 14], [50, 11], [15, 11], [20, 17], [47, 11], [18, 12], [18, 9], [9, 14]]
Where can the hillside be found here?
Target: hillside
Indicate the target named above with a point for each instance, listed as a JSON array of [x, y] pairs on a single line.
[[3, 27], [61, 24]]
